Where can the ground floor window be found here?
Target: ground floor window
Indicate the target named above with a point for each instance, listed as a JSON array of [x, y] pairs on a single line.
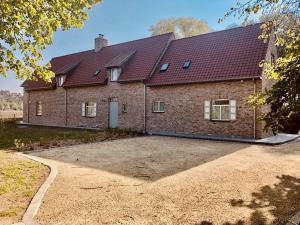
[[39, 108], [220, 110], [158, 106], [89, 109]]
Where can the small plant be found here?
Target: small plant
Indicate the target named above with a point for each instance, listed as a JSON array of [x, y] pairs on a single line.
[[19, 145], [11, 211]]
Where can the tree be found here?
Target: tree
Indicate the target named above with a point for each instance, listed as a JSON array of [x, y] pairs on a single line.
[[281, 18], [182, 27], [27, 27]]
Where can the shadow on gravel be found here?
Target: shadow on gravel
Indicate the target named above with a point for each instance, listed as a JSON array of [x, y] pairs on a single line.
[[282, 201]]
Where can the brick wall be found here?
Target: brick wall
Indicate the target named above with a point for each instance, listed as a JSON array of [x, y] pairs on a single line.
[[184, 109], [131, 94], [53, 107], [54, 110]]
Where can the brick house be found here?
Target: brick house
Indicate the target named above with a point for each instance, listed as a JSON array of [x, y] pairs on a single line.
[[196, 85]]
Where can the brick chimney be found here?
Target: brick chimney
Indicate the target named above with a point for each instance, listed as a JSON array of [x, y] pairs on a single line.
[[100, 42]]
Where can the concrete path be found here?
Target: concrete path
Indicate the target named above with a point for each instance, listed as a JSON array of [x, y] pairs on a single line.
[[280, 138]]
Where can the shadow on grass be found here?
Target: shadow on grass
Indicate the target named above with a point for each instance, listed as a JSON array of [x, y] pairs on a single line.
[[282, 201]]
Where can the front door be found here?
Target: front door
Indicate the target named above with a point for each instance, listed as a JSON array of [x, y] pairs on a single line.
[[113, 114]]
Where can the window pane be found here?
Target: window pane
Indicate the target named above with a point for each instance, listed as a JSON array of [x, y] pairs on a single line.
[[215, 112], [162, 107], [221, 102], [164, 67], [155, 107], [225, 113]]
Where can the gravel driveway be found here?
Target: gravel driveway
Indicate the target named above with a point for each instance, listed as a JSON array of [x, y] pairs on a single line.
[[160, 180]]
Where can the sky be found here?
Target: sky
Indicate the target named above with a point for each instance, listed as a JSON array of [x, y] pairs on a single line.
[[122, 21]]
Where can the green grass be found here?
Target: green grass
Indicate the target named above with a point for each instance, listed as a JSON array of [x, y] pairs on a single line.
[[18, 183], [12, 135]]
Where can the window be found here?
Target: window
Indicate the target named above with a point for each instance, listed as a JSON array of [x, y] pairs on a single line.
[[114, 74], [124, 108], [223, 110], [164, 67], [158, 106], [89, 109], [97, 72], [273, 59], [60, 80], [186, 64], [39, 108]]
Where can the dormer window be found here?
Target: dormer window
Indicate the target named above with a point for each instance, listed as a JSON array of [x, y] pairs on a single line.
[[186, 64], [60, 80], [164, 67], [97, 72], [114, 74]]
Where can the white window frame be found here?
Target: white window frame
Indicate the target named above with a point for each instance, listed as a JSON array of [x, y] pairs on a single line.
[[114, 76], [220, 110], [39, 108], [89, 109], [60, 80], [159, 108]]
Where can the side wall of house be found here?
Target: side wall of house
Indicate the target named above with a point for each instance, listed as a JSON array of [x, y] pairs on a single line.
[[53, 107], [184, 109], [268, 83]]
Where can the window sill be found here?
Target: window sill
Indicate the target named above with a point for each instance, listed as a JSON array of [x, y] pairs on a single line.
[[214, 120], [38, 115], [158, 111], [89, 116]]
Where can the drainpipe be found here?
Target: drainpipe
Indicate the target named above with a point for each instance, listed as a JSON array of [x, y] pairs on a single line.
[[66, 108], [28, 101], [254, 111], [145, 108]]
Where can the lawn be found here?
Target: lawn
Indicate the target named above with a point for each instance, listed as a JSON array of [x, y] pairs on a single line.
[[20, 137], [19, 180]]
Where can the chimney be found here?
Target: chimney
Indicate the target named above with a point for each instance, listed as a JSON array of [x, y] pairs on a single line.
[[100, 42]]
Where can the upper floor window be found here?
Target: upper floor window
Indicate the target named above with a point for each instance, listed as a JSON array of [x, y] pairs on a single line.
[[164, 67], [60, 80], [273, 60], [158, 106], [114, 74], [39, 108]]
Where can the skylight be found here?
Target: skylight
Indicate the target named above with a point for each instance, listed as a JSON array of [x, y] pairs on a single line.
[[97, 72], [164, 67], [186, 64]]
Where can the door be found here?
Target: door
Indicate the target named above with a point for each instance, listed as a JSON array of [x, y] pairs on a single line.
[[113, 114]]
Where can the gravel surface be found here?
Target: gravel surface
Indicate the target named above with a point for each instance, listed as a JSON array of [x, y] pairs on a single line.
[[161, 180]]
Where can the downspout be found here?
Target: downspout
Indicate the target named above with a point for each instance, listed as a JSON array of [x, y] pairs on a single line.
[[66, 108], [28, 101], [254, 111], [145, 109]]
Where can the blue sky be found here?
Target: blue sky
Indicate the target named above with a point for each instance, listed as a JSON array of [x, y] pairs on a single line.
[[125, 20]]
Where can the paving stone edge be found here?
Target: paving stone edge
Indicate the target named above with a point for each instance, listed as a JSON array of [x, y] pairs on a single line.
[[35, 203]]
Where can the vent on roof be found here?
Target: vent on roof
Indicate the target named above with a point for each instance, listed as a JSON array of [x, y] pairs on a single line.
[[186, 64], [164, 67], [97, 72]]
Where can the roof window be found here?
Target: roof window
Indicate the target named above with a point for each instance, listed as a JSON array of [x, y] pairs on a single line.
[[97, 72], [186, 64], [164, 67]]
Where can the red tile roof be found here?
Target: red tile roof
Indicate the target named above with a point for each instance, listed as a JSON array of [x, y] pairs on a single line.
[[120, 59], [223, 55], [141, 64]]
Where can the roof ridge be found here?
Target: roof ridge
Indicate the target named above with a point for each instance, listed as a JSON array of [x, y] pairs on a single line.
[[218, 31], [126, 42], [74, 53]]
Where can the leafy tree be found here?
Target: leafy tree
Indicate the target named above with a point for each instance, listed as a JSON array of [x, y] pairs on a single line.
[[182, 27], [281, 18], [26, 28]]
